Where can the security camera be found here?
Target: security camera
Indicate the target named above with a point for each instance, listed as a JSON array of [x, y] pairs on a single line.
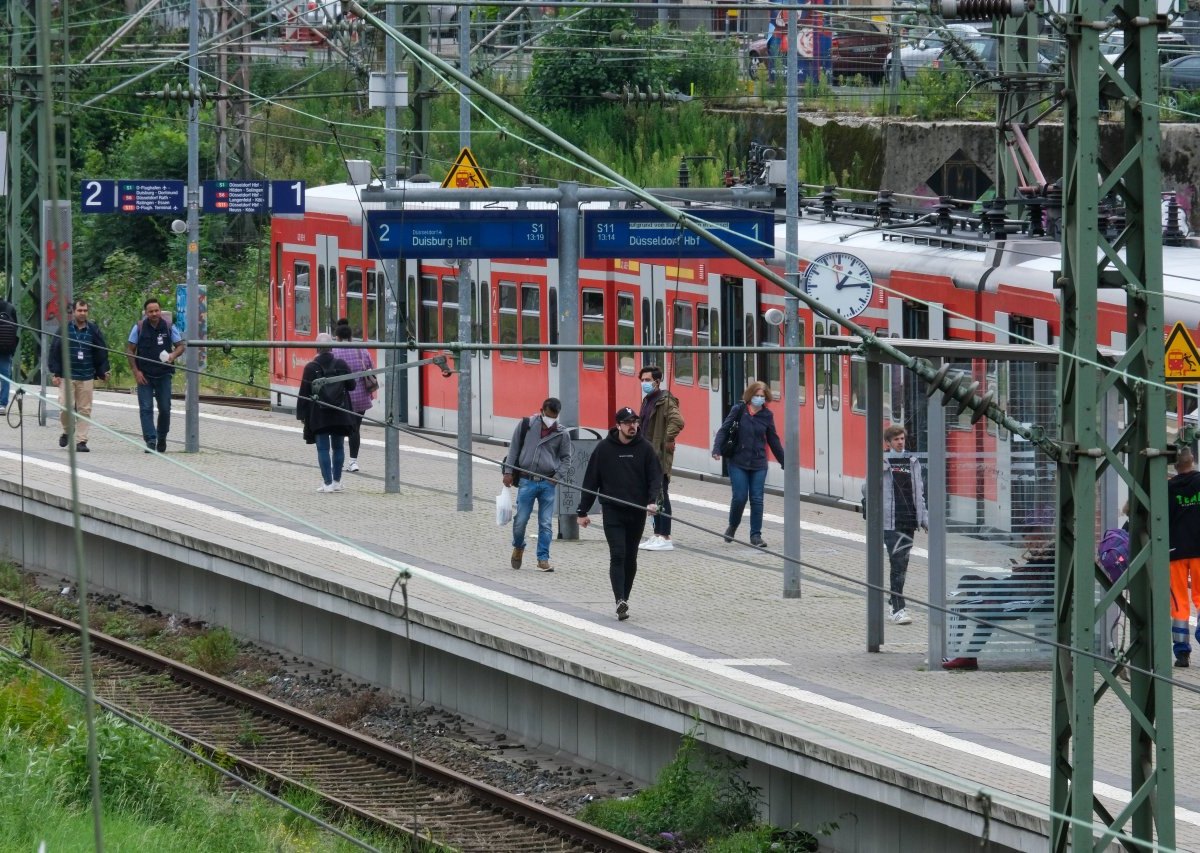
[[773, 316], [179, 226]]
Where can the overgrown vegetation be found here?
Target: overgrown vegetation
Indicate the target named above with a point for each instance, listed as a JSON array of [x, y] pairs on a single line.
[[700, 802]]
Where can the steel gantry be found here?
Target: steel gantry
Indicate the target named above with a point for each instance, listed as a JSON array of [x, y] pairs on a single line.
[[1132, 260]]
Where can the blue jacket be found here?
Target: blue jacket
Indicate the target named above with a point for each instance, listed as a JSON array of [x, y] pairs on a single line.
[[755, 432]]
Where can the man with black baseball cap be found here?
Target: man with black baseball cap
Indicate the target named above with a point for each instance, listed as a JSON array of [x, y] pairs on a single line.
[[624, 472]]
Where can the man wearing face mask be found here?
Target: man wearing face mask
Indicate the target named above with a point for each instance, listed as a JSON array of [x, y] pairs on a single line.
[[661, 422], [539, 451]]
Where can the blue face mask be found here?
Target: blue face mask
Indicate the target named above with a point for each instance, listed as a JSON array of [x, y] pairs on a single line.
[[758, 401], [647, 387]]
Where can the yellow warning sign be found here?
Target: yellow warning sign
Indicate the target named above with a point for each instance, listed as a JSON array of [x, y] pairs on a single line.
[[465, 174], [1183, 362]]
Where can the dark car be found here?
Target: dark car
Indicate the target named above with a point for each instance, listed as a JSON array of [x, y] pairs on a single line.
[[858, 49], [1179, 75]]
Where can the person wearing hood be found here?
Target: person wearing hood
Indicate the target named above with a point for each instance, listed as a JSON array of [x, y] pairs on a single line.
[[326, 414], [539, 452], [1183, 496], [624, 472]]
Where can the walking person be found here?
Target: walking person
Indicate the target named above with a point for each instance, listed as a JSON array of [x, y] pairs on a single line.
[[624, 471], [326, 413], [9, 338], [153, 347], [357, 360], [661, 424], [903, 511], [1183, 495], [88, 354], [754, 431], [538, 454]]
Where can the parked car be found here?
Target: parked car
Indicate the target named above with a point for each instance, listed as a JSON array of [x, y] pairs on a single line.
[[987, 49], [1179, 75], [921, 53], [857, 49]]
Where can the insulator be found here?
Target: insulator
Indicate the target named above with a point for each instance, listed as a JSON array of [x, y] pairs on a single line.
[[994, 219], [1172, 234], [685, 177], [935, 384], [1037, 215], [982, 405], [944, 223], [828, 196], [981, 9], [883, 207]]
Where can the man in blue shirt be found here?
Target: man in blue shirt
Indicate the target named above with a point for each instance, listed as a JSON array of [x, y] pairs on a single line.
[[89, 361], [153, 348]]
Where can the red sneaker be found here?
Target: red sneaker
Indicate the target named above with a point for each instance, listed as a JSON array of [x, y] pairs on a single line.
[[961, 663]]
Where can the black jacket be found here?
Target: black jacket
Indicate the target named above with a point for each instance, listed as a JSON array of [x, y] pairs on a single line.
[[99, 353], [1183, 492], [316, 417], [755, 433], [627, 472]]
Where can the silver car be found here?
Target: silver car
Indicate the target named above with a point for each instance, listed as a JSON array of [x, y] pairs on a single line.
[[921, 54]]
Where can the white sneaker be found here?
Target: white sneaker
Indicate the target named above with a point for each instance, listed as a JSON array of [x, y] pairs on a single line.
[[337, 486], [648, 544], [900, 617], [325, 489], [353, 466], [660, 544]]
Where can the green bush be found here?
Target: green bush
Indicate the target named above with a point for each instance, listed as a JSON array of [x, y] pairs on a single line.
[[11, 582], [214, 651]]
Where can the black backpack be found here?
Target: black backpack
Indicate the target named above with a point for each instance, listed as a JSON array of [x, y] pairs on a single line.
[[8, 328], [333, 392]]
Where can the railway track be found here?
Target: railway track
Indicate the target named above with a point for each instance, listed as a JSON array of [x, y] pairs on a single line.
[[356, 774]]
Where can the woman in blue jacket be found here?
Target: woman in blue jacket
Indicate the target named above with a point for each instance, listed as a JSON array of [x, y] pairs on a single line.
[[748, 464]]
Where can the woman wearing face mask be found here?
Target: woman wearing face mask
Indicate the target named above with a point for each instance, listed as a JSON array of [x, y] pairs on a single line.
[[748, 464]]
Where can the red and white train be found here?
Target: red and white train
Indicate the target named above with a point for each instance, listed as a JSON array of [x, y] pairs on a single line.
[[926, 287]]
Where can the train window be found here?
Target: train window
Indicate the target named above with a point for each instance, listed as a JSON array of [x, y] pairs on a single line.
[[822, 366], [593, 328], [450, 308], [552, 322], [354, 299], [835, 374], [625, 332], [277, 289], [660, 322], [507, 320], [302, 320], [681, 336], [647, 333], [858, 386], [484, 327], [702, 359], [531, 315], [427, 325], [751, 372], [803, 368], [322, 299], [714, 359], [372, 328], [410, 311], [771, 365]]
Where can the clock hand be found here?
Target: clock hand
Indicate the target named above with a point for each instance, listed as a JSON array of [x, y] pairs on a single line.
[[853, 284], [842, 282]]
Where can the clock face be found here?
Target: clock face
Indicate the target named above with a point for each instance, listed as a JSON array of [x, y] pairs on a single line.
[[841, 282]]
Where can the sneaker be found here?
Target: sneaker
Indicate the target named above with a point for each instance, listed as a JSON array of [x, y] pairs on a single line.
[[82, 447], [325, 488], [353, 466], [161, 447], [649, 543], [757, 541], [544, 566], [967, 664], [149, 447], [729, 533], [622, 610], [63, 439], [517, 554], [1183, 660], [660, 544], [900, 617], [337, 486]]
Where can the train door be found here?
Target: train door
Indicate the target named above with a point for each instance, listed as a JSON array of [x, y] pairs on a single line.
[[716, 362], [411, 381], [827, 415], [739, 306], [328, 306], [481, 332]]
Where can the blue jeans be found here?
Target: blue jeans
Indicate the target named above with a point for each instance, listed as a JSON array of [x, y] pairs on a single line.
[[543, 492], [747, 482], [157, 390], [6, 373], [331, 453]]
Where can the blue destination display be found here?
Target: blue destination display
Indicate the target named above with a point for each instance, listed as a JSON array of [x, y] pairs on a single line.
[[421, 234], [650, 234], [106, 196], [287, 196], [235, 197]]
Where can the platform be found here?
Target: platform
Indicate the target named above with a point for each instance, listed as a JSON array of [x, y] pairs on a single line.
[[785, 682]]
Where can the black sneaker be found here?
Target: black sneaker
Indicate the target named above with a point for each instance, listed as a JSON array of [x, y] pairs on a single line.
[[729, 531], [63, 439], [1183, 660], [82, 447], [162, 445], [149, 447], [757, 541]]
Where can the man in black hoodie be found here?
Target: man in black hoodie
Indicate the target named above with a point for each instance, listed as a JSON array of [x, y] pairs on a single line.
[[1183, 493], [625, 472]]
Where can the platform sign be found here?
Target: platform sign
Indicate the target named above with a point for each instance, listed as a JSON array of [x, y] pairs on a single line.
[[465, 174], [235, 197], [462, 234], [104, 196], [650, 234], [1182, 361], [287, 196]]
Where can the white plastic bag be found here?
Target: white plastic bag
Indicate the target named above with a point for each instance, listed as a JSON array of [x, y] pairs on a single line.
[[504, 507]]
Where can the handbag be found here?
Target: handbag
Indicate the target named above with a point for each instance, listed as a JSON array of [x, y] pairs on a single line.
[[731, 437], [370, 383]]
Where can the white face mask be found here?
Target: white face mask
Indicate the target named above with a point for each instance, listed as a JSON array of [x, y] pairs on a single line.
[[548, 421], [647, 387], [758, 401]]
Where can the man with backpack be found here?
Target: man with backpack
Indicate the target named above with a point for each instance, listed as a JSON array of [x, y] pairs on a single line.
[[153, 347], [9, 331], [1183, 496], [326, 413], [88, 354], [539, 452]]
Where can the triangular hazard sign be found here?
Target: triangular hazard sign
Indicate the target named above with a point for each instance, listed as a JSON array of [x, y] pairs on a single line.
[[1182, 362], [465, 174]]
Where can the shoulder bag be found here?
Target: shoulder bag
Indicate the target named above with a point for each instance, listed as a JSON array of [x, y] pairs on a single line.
[[730, 445]]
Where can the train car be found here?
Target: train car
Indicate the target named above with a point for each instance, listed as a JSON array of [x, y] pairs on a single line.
[[960, 286]]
